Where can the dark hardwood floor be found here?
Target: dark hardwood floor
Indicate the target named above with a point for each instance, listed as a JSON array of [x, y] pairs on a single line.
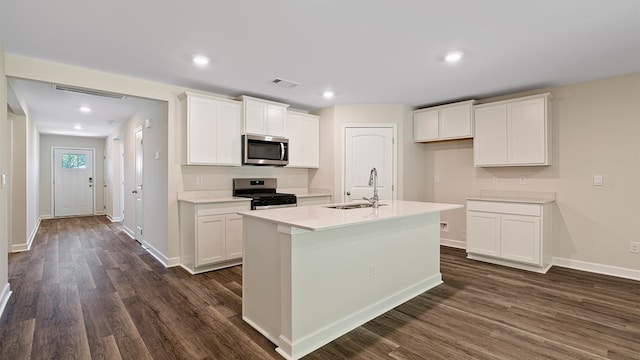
[[87, 290]]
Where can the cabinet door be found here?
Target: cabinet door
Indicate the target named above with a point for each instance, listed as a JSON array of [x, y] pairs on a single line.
[[233, 225], [520, 240], [293, 131], [311, 142], [526, 128], [228, 134], [455, 122], [490, 142], [425, 125], [255, 117], [201, 127], [210, 239], [275, 120], [483, 233]]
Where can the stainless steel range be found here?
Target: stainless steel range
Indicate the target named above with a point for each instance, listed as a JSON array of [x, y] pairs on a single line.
[[262, 193]]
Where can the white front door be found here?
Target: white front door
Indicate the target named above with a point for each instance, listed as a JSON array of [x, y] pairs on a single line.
[[139, 188], [73, 182], [367, 148]]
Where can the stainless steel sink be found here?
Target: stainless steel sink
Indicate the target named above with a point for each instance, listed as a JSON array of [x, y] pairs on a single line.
[[352, 206]]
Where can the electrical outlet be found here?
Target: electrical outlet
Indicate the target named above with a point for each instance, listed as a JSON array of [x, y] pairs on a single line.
[[436, 179], [444, 226], [198, 180], [634, 247], [494, 180], [523, 180]]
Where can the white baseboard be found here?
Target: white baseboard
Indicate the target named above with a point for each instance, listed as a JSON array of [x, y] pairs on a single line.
[[458, 244], [597, 268], [4, 297], [113, 219], [128, 231], [99, 212], [27, 246], [167, 262]]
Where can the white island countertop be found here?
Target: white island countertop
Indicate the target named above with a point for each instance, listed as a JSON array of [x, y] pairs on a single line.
[[321, 217]]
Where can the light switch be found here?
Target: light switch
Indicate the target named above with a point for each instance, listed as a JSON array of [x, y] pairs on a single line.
[[597, 180], [157, 155], [4, 180]]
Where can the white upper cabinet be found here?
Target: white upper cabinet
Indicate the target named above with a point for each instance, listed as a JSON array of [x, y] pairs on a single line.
[[211, 130], [445, 122], [513, 133], [303, 132], [263, 117]]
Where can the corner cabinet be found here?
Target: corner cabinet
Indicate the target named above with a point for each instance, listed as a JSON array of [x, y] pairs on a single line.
[[445, 122], [263, 117], [510, 233], [211, 235], [211, 130], [303, 132], [513, 133]]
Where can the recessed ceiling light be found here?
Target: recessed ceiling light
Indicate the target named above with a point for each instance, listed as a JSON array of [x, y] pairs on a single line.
[[200, 60], [328, 94], [85, 109], [78, 127], [453, 57]]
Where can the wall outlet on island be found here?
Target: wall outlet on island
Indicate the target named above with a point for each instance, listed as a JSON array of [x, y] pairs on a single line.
[[523, 180], [634, 247], [444, 226]]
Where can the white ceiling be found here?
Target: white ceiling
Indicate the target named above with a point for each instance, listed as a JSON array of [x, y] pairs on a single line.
[[366, 51]]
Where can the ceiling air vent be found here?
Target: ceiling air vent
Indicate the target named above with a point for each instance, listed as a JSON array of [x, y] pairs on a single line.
[[287, 84], [89, 92]]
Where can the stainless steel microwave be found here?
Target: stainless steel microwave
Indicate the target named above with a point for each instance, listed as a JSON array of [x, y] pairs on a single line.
[[265, 150]]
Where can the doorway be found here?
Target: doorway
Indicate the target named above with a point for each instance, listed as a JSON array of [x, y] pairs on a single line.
[[366, 148], [139, 191], [74, 182]]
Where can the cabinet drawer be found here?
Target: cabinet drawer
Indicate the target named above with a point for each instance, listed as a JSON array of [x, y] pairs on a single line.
[[505, 207]]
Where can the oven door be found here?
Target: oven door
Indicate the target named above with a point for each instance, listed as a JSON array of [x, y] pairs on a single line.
[[265, 150]]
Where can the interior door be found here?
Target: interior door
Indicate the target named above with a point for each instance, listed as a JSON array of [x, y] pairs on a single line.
[[367, 148], [73, 182], [139, 191]]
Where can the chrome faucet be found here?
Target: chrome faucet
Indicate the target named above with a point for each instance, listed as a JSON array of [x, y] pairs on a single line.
[[373, 181]]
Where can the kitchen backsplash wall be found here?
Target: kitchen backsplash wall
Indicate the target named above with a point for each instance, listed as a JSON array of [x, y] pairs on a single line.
[[220, 177]]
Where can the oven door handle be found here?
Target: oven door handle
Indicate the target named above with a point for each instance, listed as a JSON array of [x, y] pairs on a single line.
[[281, 151]]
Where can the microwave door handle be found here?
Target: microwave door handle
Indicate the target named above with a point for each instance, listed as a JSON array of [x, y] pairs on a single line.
[[281, 151]]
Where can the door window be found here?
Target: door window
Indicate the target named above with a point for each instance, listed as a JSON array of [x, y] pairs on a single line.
[[74, 161]]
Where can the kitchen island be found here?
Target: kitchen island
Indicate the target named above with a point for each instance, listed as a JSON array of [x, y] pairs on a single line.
[[314, 273]]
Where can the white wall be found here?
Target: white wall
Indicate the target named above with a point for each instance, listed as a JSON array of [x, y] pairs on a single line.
[[596, 131], [4, 169], [18, 182], [47, 142], [23, 198]]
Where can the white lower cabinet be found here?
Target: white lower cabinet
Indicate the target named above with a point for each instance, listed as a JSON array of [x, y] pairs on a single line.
[[210, 235], [510, 233]]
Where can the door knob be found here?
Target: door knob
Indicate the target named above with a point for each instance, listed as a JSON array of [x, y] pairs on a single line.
[[348, 193], [134, 192]]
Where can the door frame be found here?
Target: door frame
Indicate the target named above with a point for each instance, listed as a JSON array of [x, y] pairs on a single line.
[[394, 156], [53, 174]]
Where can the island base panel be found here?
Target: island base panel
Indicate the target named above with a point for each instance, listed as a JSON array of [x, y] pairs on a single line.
[[303, 289]]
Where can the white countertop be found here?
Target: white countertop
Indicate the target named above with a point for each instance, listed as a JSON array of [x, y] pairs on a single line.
[[515, 196], [509, 199], [305, 193], [205, 197], [320, 217]]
